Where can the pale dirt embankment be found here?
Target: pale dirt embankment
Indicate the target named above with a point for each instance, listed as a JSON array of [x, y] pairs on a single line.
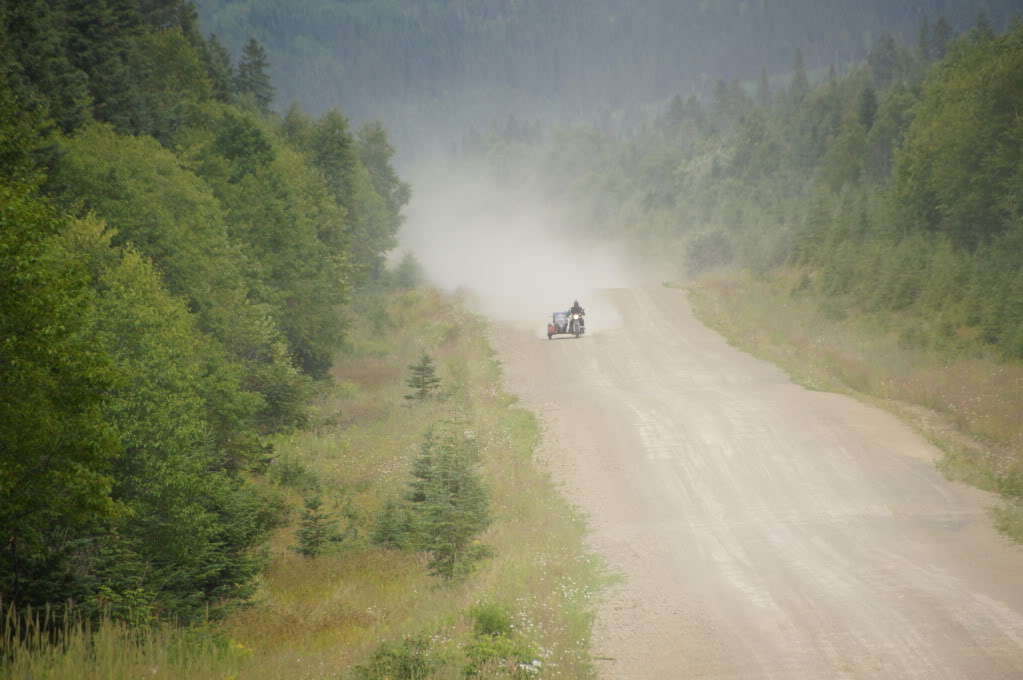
[[763, 530]]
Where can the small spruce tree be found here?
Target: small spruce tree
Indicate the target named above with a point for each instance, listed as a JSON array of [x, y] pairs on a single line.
[[317, 530], [455, 508], [423, 381]]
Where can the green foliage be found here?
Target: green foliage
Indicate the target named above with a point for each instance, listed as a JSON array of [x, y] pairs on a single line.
[[897, 186], [57, 445], [39, 66], [450, 504], [964, 147], [290, 471], [500, 656], [318, 530], [175, 80], [394, 528], [412, 659], [423, 381], [496, 650], [219, 67], [490, 619], [101, 43], [190, 521], [253, 80], [164, 310]]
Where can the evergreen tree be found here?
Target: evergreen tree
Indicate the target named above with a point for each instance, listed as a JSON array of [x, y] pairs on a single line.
[[101, 44], [376, 154], [450, 504], [423, 381], [253, 77], [218, 65], [393, 528], [317, 531], [868, 107], [48, 83]]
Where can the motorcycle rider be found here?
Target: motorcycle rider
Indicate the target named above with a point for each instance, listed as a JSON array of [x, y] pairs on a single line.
[[577, 309]]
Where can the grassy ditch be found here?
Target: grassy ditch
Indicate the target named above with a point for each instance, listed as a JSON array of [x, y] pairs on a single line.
[[364, 611], [961, 398]]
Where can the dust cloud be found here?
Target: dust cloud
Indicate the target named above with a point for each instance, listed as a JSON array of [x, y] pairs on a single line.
[[513, 256]]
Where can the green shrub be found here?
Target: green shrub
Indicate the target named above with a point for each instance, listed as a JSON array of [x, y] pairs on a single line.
[[410, 660], [490, 619]]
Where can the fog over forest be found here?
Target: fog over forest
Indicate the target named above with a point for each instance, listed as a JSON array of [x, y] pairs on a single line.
[[433, 69]]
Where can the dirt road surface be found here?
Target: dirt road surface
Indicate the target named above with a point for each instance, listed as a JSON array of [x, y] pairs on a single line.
[[763, 530]]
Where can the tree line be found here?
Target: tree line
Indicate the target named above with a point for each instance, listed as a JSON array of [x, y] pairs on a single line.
[[174, 263]]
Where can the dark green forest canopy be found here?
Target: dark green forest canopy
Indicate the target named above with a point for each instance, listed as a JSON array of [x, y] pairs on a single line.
[[175, 265], [434, 66]]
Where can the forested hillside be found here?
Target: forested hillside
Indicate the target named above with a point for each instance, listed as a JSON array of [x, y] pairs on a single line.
[[436, 67], [897, 186], [173, 266]]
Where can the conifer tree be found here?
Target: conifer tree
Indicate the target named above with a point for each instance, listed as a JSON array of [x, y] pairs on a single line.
[[450, 504], [868, 107], [253, 78], [101, 44], [317, 530], [423, 381], [42, 74]]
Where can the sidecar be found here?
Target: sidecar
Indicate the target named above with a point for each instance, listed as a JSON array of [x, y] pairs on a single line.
[[561, 323]]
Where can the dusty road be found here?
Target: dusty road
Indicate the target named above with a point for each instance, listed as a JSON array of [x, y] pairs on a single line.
[[763, 530]]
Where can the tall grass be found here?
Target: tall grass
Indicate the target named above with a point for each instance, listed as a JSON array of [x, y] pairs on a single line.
[[33, 647], [969, 403]]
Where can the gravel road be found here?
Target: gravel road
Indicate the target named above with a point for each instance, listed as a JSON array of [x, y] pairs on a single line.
[[762, 530]]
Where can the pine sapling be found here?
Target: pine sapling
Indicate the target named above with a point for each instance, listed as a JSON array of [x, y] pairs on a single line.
[[423, 381], [317, 530]]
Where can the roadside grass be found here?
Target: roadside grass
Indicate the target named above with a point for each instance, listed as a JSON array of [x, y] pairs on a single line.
[[966, 401], [322, 617], [317, 618]]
